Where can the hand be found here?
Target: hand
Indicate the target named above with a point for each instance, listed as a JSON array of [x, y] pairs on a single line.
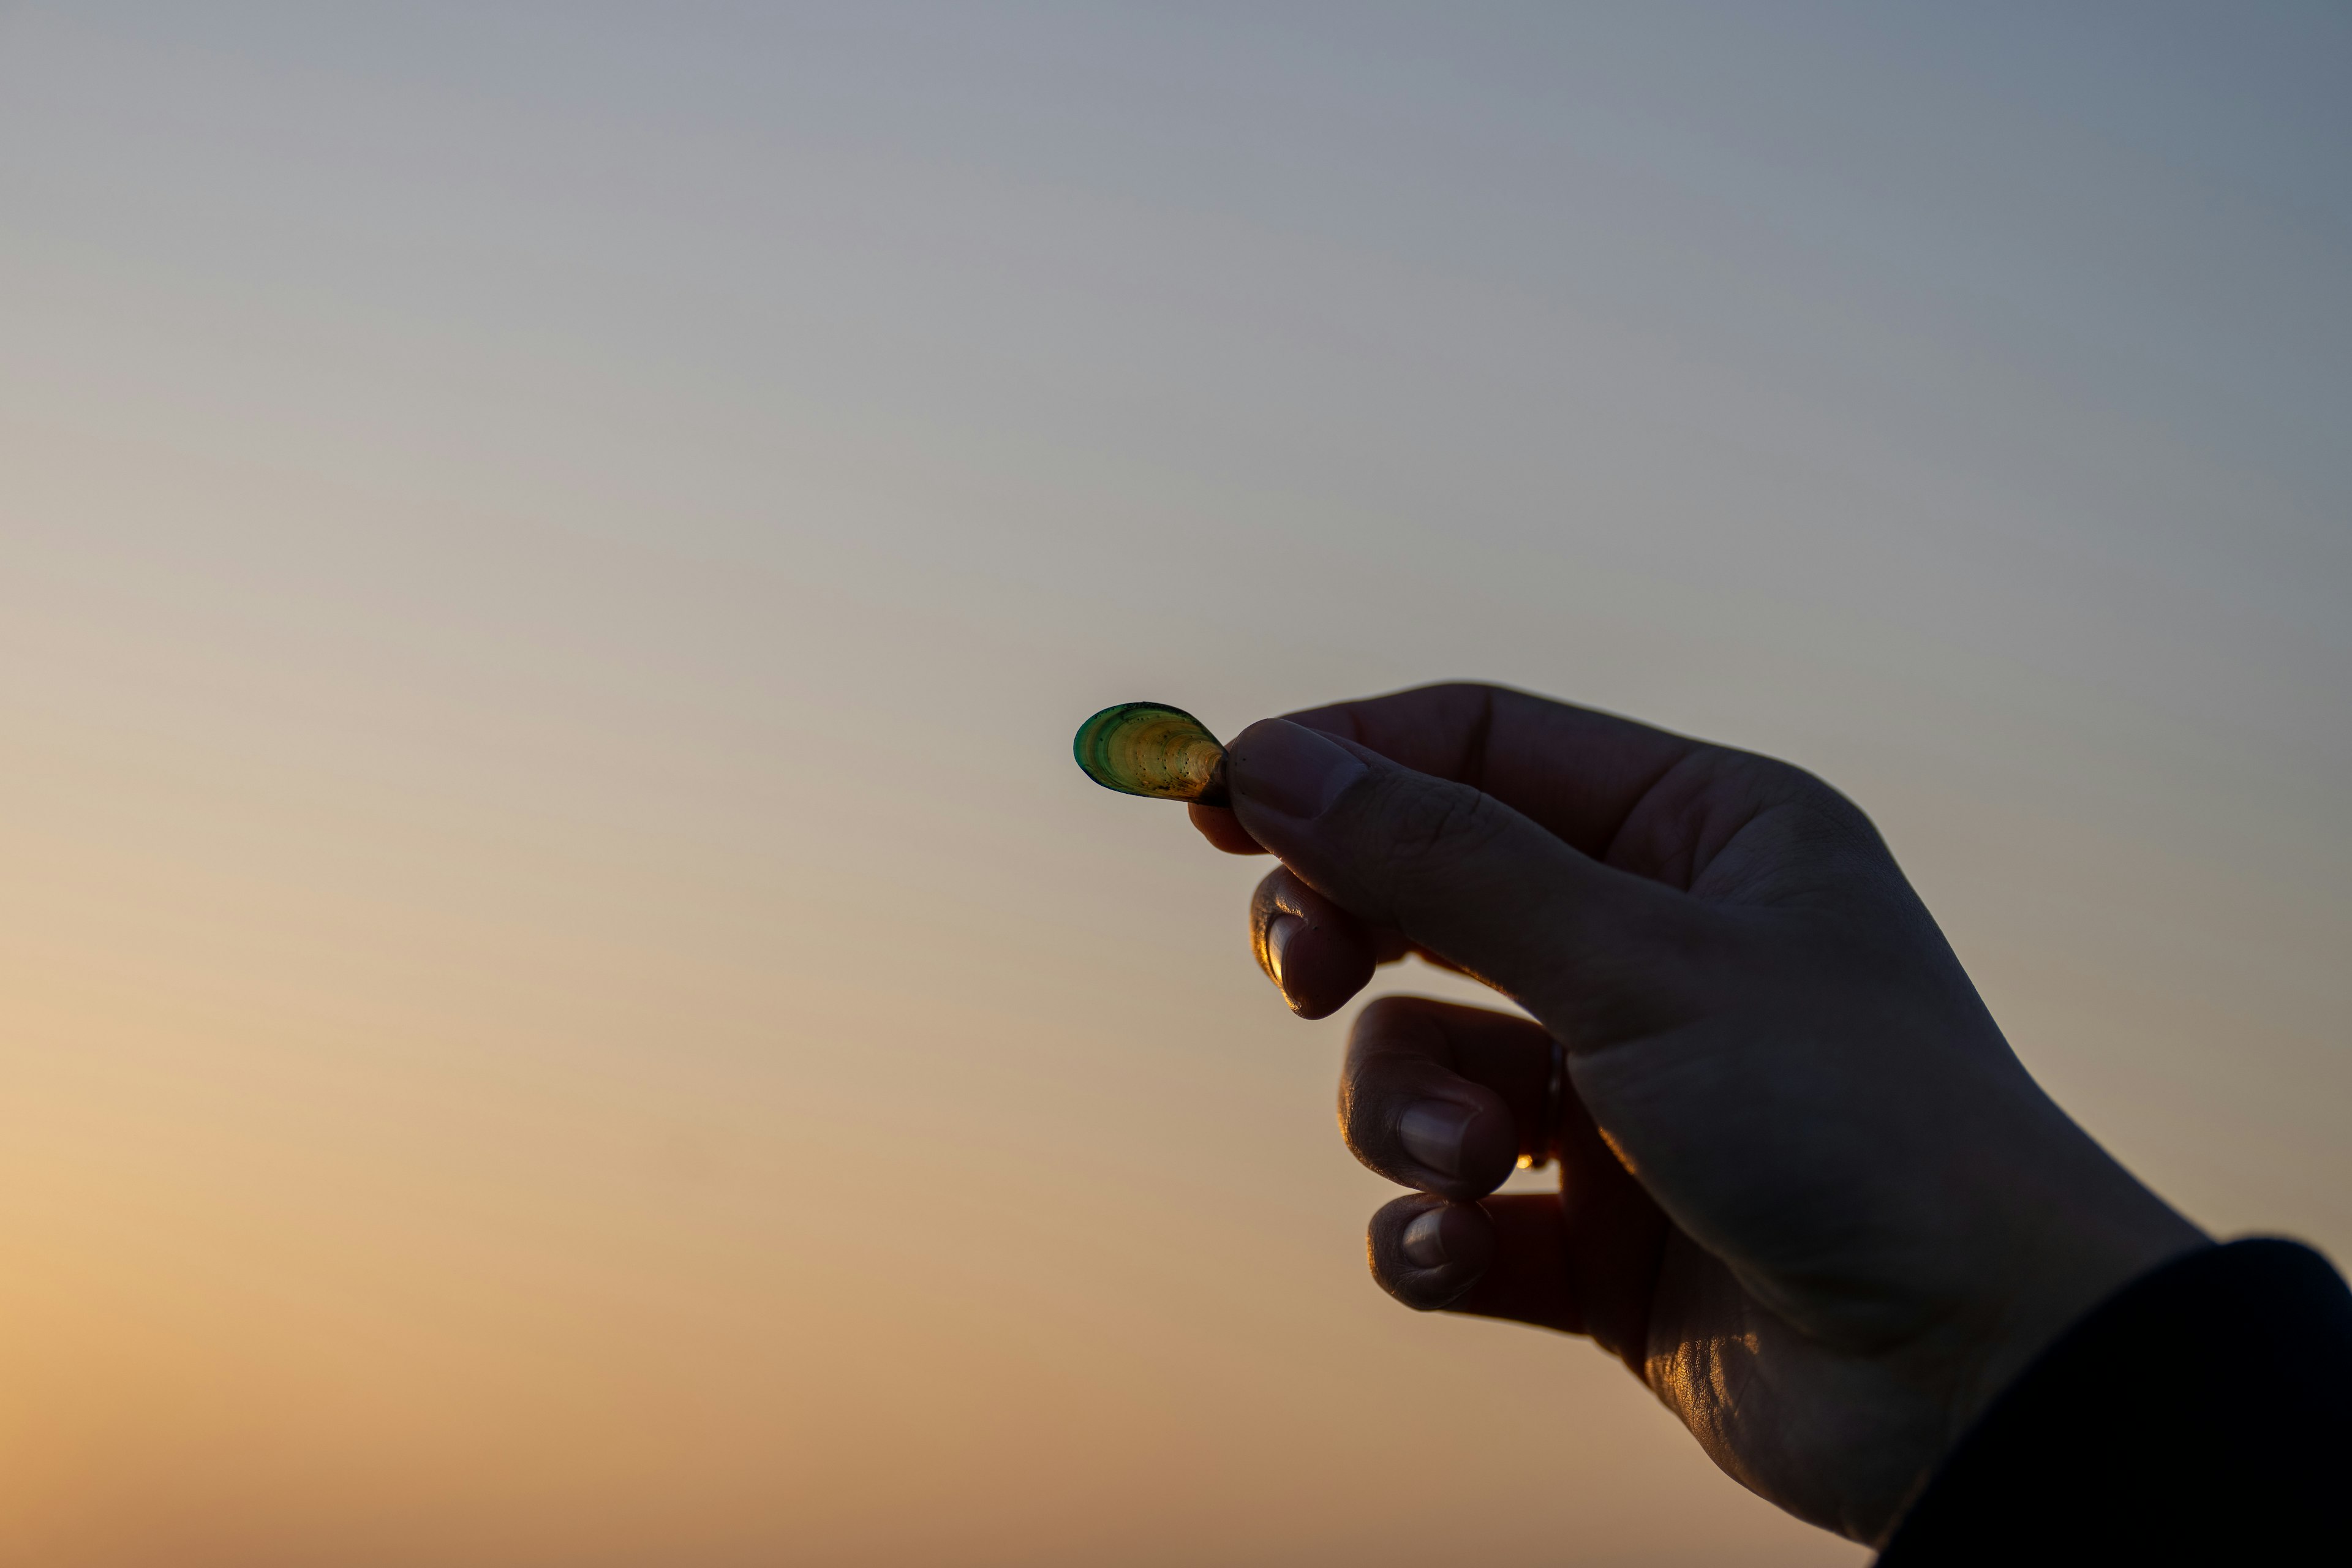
[[1807, 1193]]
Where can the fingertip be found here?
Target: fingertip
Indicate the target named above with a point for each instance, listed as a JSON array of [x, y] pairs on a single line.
[[1220, 827], [1286, 776], [1319, 964], [1463, 1140], [1418, 1097], [1428, 1252]]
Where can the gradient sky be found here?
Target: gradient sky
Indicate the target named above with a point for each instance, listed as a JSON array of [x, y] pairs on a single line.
[[561, 1000]]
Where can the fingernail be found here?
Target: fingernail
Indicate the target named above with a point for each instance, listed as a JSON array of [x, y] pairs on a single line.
[[1290, 768], [1431, 1131], [1423, 1242], [1279, 931]]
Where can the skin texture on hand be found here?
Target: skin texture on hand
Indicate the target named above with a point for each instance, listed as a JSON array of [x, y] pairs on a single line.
[[1807, 1192]]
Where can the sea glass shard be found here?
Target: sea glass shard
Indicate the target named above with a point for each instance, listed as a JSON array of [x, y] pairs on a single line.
[[1151, 749]]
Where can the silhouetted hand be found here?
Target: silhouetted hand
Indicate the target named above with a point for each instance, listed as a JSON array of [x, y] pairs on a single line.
[[1807, 1193]]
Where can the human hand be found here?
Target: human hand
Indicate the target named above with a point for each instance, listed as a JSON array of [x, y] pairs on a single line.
[[1807, 1193]]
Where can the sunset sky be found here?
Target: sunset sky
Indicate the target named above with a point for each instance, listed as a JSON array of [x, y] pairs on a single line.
[[562, 1001]]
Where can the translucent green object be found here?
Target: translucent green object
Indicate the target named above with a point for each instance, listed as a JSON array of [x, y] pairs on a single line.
[[1151, 749]]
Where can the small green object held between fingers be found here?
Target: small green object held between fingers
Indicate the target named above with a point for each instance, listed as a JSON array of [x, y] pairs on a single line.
[[1151, 749]]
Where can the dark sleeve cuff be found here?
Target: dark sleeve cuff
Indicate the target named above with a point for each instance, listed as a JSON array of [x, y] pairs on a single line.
[[2203, 1413]]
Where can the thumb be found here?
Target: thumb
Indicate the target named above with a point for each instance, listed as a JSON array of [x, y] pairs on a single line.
[[1462, 875]]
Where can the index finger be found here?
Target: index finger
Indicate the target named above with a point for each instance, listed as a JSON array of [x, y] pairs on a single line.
[[1577, 771]]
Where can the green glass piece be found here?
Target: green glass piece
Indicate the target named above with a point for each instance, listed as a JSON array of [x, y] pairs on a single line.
[[1151, 749]]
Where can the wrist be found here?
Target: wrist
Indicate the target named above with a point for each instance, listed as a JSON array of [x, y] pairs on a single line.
[[2084, 1245]]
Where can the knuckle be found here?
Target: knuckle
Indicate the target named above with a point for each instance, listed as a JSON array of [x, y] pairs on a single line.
[[1368, 1112], [1370, 1062], [1362, 1082], [1434, 827], [1365, 1132], [1815, 816], [1768, 781], [1389, 1033]]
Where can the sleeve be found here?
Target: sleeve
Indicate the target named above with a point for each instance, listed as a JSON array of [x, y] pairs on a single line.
[[2203, 1414]]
